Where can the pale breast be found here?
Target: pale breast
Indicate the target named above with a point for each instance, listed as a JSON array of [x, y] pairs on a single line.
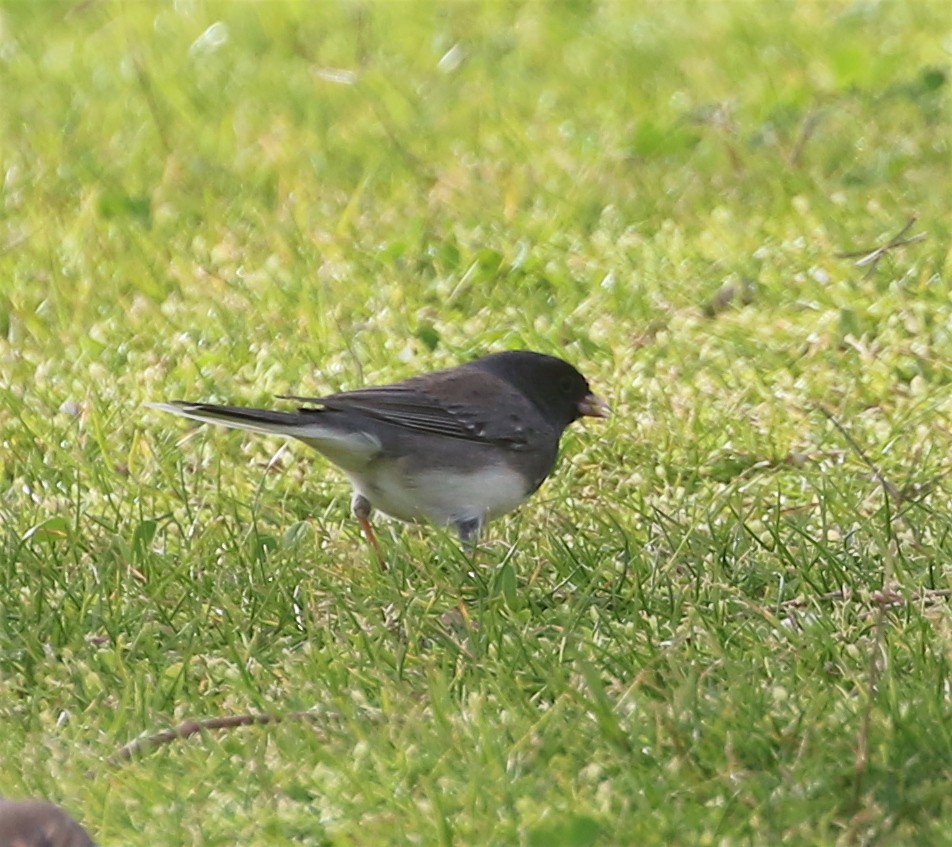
[[442, 496]]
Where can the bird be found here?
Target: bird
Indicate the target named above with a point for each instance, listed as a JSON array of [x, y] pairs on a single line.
[[36, 823], [455, 447]]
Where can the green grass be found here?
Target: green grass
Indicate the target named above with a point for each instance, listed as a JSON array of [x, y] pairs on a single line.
[[682, 639]]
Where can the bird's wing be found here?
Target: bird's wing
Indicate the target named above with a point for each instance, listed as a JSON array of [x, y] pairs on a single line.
[[460, 403]]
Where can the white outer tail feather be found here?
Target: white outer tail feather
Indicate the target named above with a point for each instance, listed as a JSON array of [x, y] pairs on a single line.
[[349, 449], [264, 427]]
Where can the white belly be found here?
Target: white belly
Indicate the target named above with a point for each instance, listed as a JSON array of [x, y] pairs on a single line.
[[442, 497]]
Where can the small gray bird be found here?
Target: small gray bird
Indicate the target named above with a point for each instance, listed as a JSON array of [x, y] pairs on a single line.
[[35, 823], [455, 447]]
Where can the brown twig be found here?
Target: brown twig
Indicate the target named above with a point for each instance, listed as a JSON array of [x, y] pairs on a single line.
[[192, 726], [871, 256], [890, 598], [887, 597]]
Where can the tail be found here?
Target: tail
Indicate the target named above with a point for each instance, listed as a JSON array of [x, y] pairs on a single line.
[[295, 424], [340, 441]]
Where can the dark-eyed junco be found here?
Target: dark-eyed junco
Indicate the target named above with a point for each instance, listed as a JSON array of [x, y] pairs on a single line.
[[35, 823], [454, 447]]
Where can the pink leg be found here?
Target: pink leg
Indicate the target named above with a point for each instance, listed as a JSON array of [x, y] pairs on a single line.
[[362, 511]]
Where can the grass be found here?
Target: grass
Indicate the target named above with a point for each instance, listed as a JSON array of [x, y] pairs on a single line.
[[725, 620]]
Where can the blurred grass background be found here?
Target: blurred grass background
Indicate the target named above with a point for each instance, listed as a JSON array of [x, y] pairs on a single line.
[[725, 620]]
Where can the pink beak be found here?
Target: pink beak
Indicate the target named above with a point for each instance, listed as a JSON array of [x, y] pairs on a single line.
[[594, 407]]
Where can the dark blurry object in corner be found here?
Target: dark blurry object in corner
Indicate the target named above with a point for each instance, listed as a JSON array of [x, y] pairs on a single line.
[[35, 823]]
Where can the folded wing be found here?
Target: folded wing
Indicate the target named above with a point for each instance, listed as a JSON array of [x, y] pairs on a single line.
[[458, 404]]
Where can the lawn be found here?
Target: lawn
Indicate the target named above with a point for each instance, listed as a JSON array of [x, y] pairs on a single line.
[[725, 619]]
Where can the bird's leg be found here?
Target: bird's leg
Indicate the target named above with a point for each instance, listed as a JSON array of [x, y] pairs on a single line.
[[362, 510], [468, 529]]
